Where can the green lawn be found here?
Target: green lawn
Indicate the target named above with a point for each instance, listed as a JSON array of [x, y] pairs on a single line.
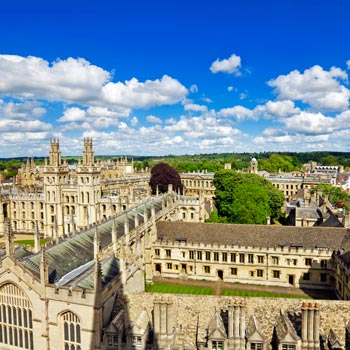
[[185, 289], [178, 289], [30, 242], [243, 293]]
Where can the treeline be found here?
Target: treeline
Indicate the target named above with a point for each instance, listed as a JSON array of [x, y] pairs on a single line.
[[268, 161]]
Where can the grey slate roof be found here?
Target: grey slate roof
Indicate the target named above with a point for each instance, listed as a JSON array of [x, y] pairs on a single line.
[[252, 235], [76, 251]]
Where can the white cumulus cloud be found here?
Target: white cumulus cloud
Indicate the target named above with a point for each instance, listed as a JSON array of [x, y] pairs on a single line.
[[195, 107], [229, 65], [153, 119], [322, 90], [310, 123], [238, 112], [78, 81], [135, 94]]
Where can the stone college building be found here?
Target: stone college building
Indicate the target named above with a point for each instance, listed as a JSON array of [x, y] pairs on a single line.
[[85, 289]]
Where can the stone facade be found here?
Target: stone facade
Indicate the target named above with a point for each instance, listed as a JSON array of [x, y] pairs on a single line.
[[58, 199]]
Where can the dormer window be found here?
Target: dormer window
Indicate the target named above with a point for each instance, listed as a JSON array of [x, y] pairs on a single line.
[[256, 346], [217, 345]]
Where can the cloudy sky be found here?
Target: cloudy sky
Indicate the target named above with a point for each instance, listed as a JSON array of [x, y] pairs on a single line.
[[174, 77]]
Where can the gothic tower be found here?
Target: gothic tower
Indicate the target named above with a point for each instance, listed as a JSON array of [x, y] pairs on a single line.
[[89, 187], [55, 176]]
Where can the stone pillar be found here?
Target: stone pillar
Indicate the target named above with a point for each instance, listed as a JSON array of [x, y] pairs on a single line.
[[242, 326], [316, 327], [230, 318], [310, 326], [169, 321], [163, 317], [156, 316], [304, 326], [236, 321], [236, 329]]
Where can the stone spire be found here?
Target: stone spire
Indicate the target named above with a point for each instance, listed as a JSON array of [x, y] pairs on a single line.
[[36, 238], [114, 239], [9, 239], [97, 275], [44, 270], [96, 243]]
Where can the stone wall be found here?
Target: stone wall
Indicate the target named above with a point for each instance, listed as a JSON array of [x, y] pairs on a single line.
[[191, 312]]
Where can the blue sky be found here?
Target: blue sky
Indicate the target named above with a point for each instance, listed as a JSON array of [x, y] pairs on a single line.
[[174, 77]]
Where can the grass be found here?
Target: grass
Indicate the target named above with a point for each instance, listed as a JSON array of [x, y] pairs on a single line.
[[178, 289], [30, 242], [244, 293], [186, 289]]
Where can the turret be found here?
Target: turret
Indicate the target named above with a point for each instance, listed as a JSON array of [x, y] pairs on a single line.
[[88, 154], [55, 153]]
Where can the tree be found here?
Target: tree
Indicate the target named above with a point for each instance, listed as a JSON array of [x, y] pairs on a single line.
[[246, 198], [329, 160], [162, 175], [336, 195]]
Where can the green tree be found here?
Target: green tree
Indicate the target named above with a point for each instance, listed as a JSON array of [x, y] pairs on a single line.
[[336, 195], [278, 162], [329, 160], [246, 198]]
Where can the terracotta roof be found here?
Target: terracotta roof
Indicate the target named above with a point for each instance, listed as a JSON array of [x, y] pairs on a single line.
[[252, 235]]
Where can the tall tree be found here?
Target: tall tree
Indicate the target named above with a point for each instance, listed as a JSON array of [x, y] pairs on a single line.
[[246, 198], [162, 175]]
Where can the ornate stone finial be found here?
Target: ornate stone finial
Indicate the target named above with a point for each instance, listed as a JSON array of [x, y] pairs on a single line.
[[97, 275], [9, 239]]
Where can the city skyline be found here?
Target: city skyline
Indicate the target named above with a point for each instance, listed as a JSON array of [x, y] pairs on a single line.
[[154, 78]]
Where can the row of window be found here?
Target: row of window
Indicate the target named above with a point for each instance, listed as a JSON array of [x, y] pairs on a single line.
[[219, 345], [23, 205], [238, 257], [197, 183], [252, 273]]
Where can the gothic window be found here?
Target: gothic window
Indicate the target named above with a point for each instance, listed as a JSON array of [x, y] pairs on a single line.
[[71, 331], [136, 342], [217, 345], [256, 346], [288, 347], [16, 320]]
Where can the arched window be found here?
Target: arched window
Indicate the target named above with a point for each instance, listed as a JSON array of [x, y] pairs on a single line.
[[16, 319], [71, 331]]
